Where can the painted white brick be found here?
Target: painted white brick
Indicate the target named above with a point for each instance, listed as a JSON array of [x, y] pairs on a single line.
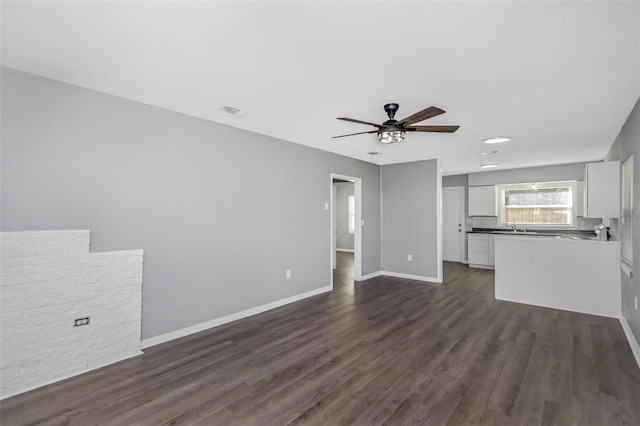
[[10, 280], [8, 245], [49, 279], [32, 260]]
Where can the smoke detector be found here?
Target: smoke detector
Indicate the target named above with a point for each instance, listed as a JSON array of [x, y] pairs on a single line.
[[234, 111]]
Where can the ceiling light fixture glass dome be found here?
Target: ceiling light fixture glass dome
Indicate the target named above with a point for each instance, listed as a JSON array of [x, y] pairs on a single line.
[[391, 134]]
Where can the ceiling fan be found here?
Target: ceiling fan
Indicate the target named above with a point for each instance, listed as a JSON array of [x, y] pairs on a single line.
[[393, 131]]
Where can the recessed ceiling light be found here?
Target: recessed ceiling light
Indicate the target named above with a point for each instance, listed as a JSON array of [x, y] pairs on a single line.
[[374, 153], [489, 166], [497, 139], [490, 152]]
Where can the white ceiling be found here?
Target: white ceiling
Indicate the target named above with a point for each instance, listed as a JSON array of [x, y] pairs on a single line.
[[560, 78]]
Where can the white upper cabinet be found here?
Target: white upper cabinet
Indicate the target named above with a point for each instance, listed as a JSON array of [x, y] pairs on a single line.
[[602, 190], [482, 201]]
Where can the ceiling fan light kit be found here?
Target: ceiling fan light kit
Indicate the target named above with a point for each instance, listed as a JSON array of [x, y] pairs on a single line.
[[391, 136], [393, 131]]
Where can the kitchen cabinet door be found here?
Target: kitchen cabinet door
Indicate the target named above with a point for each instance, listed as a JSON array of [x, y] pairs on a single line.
[[602, 190], [478, 250]]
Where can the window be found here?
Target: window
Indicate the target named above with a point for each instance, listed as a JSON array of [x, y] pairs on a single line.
[[352, 214], [627, 210], [548, 203]]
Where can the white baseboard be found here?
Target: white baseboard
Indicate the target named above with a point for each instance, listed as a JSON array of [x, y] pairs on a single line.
[[399, 275], [156, 340], [411, 277], [473, 265], [635, 348], [345, 250], [369, 276]]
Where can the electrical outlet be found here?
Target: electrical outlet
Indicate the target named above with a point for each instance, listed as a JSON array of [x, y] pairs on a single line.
[[81, 321], [409, 258], [288, 273]]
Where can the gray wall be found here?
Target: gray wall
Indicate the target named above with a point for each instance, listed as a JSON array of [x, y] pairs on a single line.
[[410, 217], [530, 174], [344, 239], [627, 143], [220, 212], [455, 180]]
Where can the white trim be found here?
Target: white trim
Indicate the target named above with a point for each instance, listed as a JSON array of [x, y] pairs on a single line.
[[68, 376], [411, 277], [439, 255], [357, 238], [345, 250], [635, 348], [399, 275], [626, 267], [156, 340], [371, 275], [473, 265], [334, 231]]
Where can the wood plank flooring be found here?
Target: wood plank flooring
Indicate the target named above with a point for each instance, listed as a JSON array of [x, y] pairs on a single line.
[[385, 351]]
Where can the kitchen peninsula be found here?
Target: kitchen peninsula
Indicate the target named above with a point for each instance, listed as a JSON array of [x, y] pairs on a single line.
[[570, 274]]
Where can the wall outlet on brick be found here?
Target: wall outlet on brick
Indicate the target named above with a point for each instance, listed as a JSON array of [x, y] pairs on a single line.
[[81, 321]]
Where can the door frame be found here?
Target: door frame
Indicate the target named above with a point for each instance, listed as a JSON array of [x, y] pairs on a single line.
[[463, 220], [357, 238]]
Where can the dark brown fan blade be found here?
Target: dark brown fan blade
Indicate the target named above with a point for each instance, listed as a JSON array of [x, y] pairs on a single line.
[[353, 134], [422, 115], [379, 126], [437, 129]]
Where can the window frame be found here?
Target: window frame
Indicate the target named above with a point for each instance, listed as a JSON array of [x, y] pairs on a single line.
[[351, 214], [626, 218], [573, 217]]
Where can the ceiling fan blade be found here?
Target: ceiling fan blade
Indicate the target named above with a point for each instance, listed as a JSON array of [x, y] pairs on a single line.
[[437, 129], [353, 120], [353, 134], [422, 115]]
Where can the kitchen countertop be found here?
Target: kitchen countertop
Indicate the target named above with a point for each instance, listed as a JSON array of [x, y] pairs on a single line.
[[532, 232], [573, 234]]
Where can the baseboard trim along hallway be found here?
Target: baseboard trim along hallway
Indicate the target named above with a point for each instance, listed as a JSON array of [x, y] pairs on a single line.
[[172, 335], [411, 277], [635, 348]]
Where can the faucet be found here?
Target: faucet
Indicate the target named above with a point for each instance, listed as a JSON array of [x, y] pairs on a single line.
[[513, 226]]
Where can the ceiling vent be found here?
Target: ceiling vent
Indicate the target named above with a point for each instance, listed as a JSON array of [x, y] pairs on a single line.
[[234, 111]]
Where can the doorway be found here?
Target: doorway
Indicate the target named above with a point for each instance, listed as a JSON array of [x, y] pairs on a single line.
[[453, 224], [346, 223]]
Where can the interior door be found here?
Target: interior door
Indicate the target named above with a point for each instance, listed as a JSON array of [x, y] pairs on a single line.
[[452, 224]]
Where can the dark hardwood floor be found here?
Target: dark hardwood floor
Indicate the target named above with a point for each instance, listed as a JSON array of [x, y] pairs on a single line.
[[385, 351]]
